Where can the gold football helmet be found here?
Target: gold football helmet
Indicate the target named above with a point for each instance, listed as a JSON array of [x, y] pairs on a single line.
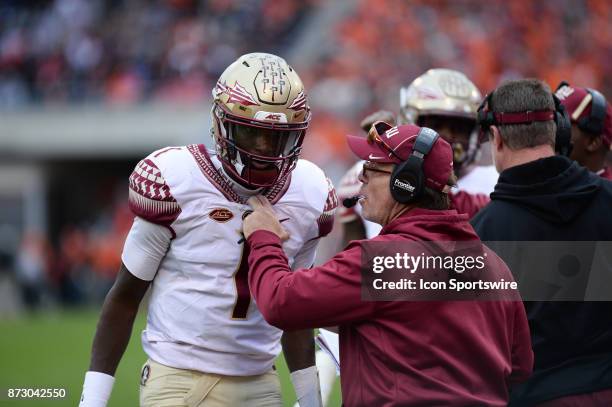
[[447, 101], [259, 118]]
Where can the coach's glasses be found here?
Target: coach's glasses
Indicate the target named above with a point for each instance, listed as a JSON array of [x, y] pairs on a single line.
[[367, 166]]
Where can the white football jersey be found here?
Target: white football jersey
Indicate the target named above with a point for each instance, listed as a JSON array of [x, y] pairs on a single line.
[[201, 315], [480, 180]]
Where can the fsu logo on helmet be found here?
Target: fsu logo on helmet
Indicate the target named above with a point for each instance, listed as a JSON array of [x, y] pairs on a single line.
[[236, 94], [221, 215], [299, 103]]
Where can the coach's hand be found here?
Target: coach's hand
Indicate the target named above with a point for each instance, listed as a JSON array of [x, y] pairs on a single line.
[[263, 218]]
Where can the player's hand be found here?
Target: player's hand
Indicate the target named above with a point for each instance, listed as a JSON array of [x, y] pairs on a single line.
[[263, 218]]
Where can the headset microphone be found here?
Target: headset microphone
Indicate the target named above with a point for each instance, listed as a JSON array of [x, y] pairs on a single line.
[[351, 201]]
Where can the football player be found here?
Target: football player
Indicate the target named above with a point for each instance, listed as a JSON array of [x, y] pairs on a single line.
[[207, 343], [446, 101], [591, 117]]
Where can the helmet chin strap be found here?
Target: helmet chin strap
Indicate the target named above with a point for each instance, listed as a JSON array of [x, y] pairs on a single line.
[[252, 175], [464, 158], [461, 158], [236, 185]]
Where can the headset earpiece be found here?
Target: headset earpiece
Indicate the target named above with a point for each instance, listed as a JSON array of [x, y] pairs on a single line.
[[484, 116], [594, 123], [408, 179]]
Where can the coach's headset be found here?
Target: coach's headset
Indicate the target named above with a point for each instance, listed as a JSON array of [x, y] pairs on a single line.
[[563, 145], [407, 180], [594, 122]]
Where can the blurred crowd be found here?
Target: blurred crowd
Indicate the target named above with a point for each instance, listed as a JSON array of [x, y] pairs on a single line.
[[132, 51], [129, 51], [385, 44], [79, 267]]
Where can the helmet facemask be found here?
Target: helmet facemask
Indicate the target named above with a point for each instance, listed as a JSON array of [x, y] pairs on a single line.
[[256, 153], [460, 132]]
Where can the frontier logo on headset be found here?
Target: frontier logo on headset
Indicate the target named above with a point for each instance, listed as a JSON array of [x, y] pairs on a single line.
[[406, 186]]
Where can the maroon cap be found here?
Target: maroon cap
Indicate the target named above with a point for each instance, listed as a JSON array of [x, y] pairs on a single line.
[[578, 103], [386, 144]]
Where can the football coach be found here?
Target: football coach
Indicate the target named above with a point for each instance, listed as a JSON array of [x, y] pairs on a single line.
[[541, 196], [396, 353]]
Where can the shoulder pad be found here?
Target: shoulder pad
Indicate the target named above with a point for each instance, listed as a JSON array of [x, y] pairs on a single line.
[[150, 197], [326, 220]]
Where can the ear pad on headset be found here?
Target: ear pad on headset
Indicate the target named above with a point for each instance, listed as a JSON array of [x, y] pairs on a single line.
[[484, 116], [406, 182], [594, 123], [563, 137]]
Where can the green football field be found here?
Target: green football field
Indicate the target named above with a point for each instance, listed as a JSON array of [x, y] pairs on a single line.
[[51, 350]]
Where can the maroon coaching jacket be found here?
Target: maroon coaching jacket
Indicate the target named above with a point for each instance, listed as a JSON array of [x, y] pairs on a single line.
[[398, 353], [470, 204]]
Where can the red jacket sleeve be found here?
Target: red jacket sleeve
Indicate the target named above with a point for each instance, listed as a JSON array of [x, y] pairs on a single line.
[[464, 202], [308, 298]]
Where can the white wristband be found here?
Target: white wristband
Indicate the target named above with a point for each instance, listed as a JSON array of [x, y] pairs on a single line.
[[96, 389], [306, 385]]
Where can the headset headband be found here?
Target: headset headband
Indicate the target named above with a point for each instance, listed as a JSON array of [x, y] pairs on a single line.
[[529, 116], [488, 117], [424, 142]]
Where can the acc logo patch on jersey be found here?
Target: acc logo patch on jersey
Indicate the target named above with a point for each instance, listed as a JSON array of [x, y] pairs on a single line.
[[221, 215]]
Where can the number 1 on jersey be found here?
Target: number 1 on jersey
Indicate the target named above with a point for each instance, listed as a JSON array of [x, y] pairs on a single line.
[[243, 295]]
